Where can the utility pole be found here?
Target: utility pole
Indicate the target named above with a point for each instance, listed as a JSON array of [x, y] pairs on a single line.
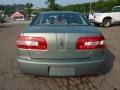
[[90, 6]]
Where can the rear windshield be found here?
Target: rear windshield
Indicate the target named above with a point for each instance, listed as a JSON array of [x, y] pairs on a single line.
[[59, 19], [116, 9]]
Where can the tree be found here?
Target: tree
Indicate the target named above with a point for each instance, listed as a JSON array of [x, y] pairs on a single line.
[[29, 9], [10, 9], [101, 0], [52, 5]]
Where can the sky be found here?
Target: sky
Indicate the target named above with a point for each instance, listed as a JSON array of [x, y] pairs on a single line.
[[41, 3]]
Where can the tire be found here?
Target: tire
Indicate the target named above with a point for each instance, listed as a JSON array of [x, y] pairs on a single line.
[[2, 21], [106, 23], [97, 24]]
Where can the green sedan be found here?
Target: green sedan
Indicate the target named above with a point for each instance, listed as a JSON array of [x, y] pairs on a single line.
[[60, 43]]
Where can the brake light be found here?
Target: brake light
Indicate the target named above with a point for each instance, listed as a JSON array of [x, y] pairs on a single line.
[[31, 43], [94, 42]]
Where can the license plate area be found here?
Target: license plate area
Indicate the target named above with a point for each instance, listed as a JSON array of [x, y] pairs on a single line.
[[61, 71]]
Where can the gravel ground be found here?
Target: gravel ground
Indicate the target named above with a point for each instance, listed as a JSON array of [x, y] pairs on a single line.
[[11, 77]]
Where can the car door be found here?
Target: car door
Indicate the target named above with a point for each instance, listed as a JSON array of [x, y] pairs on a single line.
[[116, 14]]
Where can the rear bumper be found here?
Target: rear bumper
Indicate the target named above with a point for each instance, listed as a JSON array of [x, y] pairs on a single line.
[[42, 67]]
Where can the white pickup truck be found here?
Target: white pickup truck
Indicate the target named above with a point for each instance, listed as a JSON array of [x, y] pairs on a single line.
[[106, 19]]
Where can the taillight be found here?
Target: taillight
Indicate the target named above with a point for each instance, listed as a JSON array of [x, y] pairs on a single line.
[[31, 43], [94, 42]]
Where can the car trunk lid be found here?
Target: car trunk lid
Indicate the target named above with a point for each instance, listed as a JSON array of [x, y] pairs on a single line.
[[61, 41]]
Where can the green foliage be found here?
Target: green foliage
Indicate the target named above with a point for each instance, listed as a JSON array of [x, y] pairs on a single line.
[[29, 9], [104, 5], [52, 5], [101, 5], [9, 9]]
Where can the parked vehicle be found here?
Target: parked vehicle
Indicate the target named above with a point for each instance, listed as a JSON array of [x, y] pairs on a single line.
[[91, 15], [107, 19], [2, 19], [60, 43]]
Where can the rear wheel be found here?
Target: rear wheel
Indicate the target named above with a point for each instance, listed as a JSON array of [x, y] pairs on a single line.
[[106, 23], [2, 21]]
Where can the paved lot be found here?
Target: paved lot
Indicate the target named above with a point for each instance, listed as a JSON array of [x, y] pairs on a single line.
[[12, 79]]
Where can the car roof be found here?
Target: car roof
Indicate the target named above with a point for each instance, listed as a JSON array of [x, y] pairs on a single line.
[[59, 12], [116, 6]]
